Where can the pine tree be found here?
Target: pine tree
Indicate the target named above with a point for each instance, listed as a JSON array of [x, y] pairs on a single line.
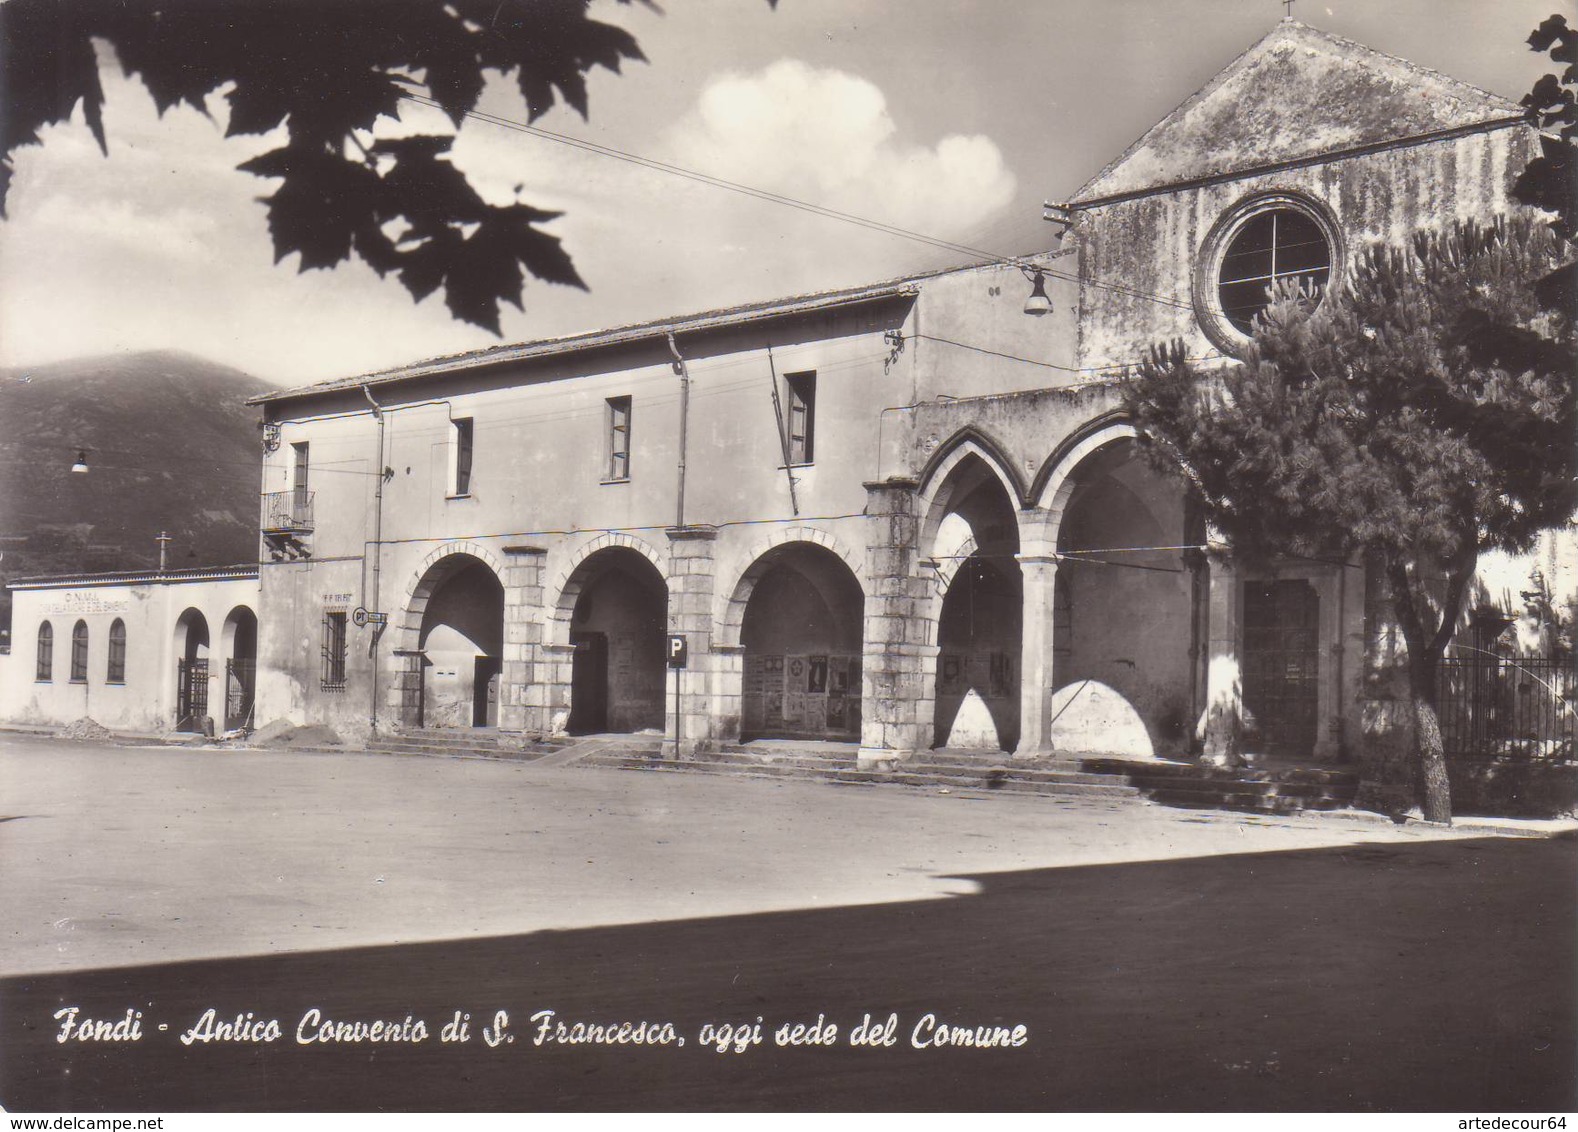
[[1418, 413]]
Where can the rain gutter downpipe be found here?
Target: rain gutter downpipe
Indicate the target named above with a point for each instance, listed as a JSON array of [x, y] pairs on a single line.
[[378, 549], [684, 420]]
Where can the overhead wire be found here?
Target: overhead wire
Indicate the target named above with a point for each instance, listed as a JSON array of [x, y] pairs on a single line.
[[1025, 263]]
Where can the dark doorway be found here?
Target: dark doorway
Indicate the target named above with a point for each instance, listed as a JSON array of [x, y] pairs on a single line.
[[589, 683], [485, 691], [1282, 665]]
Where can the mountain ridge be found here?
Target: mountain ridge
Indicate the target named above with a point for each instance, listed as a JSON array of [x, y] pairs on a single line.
[[170, 445]]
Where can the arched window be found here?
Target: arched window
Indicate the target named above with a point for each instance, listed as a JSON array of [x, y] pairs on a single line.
[[46, 653], [79, 653], [115, 673]]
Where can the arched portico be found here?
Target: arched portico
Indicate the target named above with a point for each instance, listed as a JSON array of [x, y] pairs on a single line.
[[613, 611], [191, 670], [1111, 630], [797, 613], [453, 632], [239, 644], [971, 541]]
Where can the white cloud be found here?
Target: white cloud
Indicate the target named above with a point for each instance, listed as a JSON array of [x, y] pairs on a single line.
[[826, 137]]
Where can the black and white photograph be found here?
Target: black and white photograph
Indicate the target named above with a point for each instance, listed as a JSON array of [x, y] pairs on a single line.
[[788, 556]]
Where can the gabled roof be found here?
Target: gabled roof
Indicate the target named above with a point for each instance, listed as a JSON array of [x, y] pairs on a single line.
[[552, 347], [1298, 94]]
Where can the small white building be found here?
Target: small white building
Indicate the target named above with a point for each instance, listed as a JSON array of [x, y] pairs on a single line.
[[135, 651]]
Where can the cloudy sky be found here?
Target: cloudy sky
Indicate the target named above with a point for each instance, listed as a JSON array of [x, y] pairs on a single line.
[[943, 117]]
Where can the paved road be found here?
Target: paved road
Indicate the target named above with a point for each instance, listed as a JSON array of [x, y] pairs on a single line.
[[1155, 958]]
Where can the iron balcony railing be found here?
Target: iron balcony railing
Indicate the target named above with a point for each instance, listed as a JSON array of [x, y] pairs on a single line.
[[287, 511]]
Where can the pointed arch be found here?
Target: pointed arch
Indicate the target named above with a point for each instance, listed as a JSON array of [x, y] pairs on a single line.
[[971, 440]]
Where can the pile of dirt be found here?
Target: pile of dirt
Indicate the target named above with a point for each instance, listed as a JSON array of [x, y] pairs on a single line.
[[84, 728], [281, 733]]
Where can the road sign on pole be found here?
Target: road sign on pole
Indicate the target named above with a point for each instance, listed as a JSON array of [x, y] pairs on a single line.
[[678, 650]]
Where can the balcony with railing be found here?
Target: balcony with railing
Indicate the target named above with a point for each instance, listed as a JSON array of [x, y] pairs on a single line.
[[287, 512]]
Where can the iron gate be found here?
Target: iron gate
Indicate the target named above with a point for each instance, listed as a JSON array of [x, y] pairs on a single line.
[[1282, 664], [191, 694], [240, 691]]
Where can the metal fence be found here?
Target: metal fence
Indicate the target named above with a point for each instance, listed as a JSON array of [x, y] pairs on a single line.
[[1508, 707]]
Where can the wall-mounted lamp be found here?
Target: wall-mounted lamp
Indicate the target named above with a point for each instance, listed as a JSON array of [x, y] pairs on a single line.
[[1038, 303], [81, 466]]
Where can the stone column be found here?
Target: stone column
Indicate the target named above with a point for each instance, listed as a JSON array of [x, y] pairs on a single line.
[[522, 692], [1039, 575], [899, 661], [1328, 697], [690, 592], [1224, 689]]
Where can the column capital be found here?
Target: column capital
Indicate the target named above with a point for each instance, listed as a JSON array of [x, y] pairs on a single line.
[[692, 531], [1037, 559], [892, 483], [525, 550]]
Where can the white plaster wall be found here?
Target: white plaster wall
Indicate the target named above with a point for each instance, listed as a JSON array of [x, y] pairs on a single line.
[[145, 701]]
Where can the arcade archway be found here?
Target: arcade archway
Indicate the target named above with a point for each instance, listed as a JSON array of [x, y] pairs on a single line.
[[240, 644], [801, 632], [191, 671], [460, 645], [1122, 666], [619, 612], [979, 632]]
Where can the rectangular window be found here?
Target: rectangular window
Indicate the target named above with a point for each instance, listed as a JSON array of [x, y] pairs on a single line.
[[619, 438], [298, 468], [298, 480], [334, 651], [460, 451], [801, 395]]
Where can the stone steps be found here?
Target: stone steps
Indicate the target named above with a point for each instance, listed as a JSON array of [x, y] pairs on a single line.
[[1253, 789], [1250, 789], [836, 764], [460, 745]]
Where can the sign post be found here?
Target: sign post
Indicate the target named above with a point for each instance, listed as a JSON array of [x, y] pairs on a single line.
[[678, 655]]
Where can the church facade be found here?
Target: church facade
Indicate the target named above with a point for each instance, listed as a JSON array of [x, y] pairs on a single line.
[[901, 516]]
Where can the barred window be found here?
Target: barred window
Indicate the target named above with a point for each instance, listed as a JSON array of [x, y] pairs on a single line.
[[334, 651], [46, 653], [79, 653], [115, 671]]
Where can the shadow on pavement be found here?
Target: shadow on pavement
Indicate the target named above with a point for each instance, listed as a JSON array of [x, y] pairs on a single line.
[[1434, 976]]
